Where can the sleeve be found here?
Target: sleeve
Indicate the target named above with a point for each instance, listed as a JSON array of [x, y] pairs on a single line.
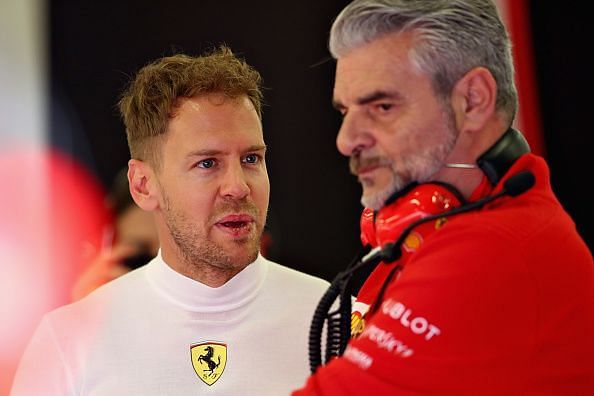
[[457, 320], [42, 369]]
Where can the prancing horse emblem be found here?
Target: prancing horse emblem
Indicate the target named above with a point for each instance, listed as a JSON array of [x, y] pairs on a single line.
[[209, 360]]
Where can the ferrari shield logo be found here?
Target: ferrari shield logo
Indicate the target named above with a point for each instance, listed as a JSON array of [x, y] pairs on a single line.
[[209, 360], [357, 324]]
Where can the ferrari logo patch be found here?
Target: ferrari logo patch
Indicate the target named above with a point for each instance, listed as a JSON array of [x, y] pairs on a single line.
[[209, 360], [357, 324]]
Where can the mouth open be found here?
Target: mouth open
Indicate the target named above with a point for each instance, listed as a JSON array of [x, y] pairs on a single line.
[[236, 225]]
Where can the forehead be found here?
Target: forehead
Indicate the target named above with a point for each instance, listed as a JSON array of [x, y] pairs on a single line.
[[214, 120], [382, 64]]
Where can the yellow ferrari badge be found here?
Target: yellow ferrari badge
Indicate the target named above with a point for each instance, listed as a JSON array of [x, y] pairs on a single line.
[[357, 324], [209, 360]]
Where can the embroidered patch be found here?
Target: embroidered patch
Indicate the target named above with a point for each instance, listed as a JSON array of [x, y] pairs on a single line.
[[209, 360], [357, 324]]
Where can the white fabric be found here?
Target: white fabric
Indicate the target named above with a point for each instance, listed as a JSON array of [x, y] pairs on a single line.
[[133, 335]]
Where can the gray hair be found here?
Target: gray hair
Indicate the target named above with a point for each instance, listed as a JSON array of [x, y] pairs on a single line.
[[451, 36]]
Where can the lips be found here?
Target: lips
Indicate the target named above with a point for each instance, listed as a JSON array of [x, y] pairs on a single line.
[[236, 225]]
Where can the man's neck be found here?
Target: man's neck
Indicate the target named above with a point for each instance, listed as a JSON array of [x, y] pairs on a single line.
[[465, 180], [198, 270], [469, 147]]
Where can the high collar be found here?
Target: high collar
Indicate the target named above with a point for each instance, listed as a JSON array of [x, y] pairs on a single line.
[[527, 162], [194, 296]]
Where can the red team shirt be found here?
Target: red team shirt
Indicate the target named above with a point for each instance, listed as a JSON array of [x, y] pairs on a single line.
[[498, 301]]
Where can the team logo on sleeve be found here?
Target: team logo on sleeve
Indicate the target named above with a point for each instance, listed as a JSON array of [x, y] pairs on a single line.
[[358, 318], [209, 360], [357, 324]]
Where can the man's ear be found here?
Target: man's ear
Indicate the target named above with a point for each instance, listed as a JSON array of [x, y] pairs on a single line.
[[143, 185], [473, 99]]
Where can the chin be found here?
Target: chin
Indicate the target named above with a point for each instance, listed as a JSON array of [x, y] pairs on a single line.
[[243, 254], [376, 200]]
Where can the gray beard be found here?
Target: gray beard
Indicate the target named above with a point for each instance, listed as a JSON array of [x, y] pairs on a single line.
[[420, 168]]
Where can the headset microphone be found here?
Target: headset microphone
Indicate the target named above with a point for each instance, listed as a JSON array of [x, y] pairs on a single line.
[[514, 186]]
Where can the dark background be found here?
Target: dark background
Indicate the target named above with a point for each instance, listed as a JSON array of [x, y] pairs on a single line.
[[96, 46]]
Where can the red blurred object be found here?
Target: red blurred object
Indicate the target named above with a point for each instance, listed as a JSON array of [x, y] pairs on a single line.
[[51, 210]]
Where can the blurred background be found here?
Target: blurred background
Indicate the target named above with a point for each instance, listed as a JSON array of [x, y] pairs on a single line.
[[63, 64]]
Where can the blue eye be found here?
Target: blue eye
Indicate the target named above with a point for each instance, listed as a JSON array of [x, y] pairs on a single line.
[[206, 164], [252, 158]]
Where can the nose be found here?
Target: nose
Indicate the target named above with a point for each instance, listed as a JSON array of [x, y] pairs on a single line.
[[354, 135], [235, 184]]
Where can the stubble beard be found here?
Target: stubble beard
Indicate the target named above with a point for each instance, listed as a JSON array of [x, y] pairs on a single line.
[[199, 252], [418, 167]]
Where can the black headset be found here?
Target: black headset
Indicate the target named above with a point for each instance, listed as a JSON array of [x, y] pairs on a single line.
[[495, 163]]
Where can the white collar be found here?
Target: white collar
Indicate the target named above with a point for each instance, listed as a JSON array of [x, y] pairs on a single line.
[[194, 296]]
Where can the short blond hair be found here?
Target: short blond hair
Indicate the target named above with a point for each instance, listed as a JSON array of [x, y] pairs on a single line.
[[151, 98]]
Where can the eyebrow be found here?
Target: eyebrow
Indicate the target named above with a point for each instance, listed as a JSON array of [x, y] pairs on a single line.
[[371, 97], [207, 152], [257, 147]]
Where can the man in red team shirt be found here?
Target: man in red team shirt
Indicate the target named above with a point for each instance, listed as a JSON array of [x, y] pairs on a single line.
[[499, 300]]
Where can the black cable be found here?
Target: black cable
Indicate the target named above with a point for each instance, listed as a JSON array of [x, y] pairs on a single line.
[[338, 320]]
